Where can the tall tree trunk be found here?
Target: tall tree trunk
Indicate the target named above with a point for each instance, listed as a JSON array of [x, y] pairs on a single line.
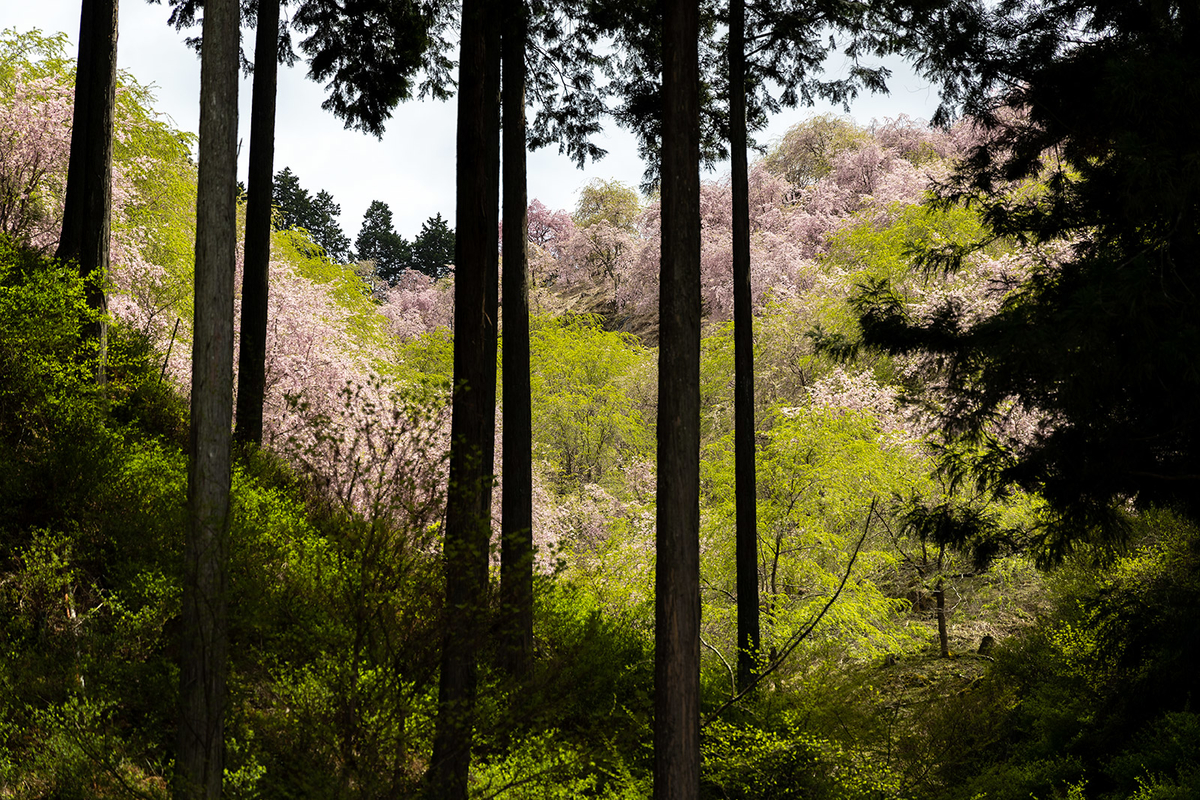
[[252, 352], [204, 646], [88, 203], [472, 429], [677, 582], [745, 483], [516, 529]]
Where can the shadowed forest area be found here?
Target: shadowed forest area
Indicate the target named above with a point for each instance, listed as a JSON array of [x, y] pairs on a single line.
[[975, 569]]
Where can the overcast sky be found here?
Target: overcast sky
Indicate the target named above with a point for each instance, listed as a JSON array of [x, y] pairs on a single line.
[[412, 167]]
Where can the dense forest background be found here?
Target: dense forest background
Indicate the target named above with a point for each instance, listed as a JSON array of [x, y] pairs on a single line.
[[924, 634]]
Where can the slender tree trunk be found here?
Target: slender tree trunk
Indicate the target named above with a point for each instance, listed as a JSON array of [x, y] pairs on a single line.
[[677, 582], [204, 646], [252, 352], [516, 543], [745, 483], [88, 203], [943, 636], [472, 431], [939, 595]]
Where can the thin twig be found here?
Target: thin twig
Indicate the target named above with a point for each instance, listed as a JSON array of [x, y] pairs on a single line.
[[729, 669], [169, 346]]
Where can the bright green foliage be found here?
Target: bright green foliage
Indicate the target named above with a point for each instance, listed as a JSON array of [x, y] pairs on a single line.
[[805, 153], [156, 158], [333, 614], [33, 54], [83, 599], [42, 312], [587, 419], [818, 473], [882, 246], [748, 762], [611, 202], [557, 746], [428, 360], [1097, 697]]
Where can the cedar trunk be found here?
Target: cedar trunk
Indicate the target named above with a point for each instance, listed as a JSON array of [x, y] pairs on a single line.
[[252, 352], [88, 203], [516, 543], [204, 644], [745, 484], [472, 429], [677, 572]]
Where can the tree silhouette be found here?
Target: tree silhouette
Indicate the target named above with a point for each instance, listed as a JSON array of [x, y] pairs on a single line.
[[315, 214], [88, 204], [746, 485], [472, 446], [378, 241], [252, 346], [516, 528], [433, 249]]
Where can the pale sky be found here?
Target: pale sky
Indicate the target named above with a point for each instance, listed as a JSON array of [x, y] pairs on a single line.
[[412, 167]]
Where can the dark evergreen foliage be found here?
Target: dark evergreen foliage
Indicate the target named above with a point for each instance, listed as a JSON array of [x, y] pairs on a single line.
[[1101, 343], [786, 44], [378, 241], [369, 52], [296, 208], [561, 70], [433, 248]]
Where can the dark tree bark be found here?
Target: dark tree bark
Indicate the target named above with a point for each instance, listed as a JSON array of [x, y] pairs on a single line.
[[472, 430], [516, 543], [88, 202], [677, 589], [745, 483], [252, 352], [204, 646], [939, 595], [943, 637]]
